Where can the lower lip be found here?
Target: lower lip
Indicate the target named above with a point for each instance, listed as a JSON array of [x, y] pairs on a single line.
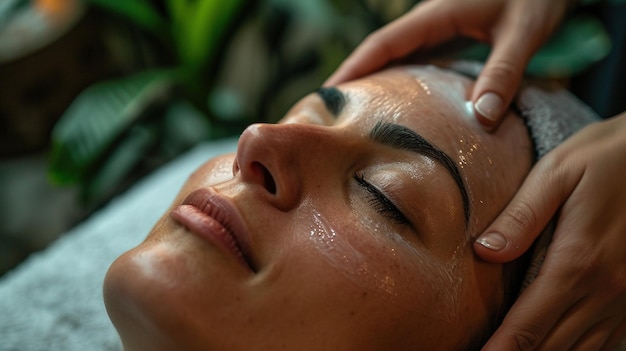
[[208, 228]]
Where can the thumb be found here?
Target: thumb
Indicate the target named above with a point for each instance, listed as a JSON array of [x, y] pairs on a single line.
[[420, 27], [528, 213]]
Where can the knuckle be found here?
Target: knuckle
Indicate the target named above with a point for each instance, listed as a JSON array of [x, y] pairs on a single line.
[[586, 265], [556, 173], [550, 161], [520, 217], [545, 17], [579, 262], [502, 72], [526, 338]]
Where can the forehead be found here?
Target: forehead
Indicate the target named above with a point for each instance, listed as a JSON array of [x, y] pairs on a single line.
[[413, 96], [434, 103]]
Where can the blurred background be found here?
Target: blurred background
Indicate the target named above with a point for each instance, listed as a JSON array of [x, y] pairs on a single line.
[[95, 94]]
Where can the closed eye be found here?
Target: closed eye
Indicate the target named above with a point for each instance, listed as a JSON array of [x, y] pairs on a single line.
[[381, 203]]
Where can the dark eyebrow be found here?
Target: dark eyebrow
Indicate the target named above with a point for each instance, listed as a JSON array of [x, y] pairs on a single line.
[[333, 98], [403, 138]]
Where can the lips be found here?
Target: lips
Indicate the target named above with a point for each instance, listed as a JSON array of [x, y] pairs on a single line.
[[215, 218]]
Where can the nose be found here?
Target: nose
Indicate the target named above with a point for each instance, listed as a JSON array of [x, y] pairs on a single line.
[[272, 158]]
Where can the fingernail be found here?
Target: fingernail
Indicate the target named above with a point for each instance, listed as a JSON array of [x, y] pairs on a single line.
[[493, 241], [489, 105]]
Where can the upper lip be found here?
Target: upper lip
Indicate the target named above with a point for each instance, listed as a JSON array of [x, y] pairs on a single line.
[[226, 213]]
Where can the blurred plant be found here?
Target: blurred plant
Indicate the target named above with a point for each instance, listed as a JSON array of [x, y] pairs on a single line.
[[115, 125], [580, 42]]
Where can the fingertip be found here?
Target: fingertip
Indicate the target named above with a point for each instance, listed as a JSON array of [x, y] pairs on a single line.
[[494, 247], [489, 255], [493, 241], [489, 108], [496, 86]]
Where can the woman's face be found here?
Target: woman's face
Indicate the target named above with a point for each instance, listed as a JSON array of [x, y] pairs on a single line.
[[342, 228]]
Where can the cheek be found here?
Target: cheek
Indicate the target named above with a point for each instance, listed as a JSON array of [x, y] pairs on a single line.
[[215, 171], [372, 257]]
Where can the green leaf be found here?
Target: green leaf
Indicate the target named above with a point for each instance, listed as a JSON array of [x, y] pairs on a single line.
[[116, 168], [178, 10], [140, 12], [97, 118], [200, 28], [183, 126]]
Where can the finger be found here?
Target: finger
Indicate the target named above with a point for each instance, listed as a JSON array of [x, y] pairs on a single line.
[[581, 321], [522, 30], [513, 47], [532, 316], [514, 230], [424, 24], [592, 340]]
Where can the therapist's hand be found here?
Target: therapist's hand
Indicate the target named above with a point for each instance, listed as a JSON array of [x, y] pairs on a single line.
[[516, 29], [578, 301]]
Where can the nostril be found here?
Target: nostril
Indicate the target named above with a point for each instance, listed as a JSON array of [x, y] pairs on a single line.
[[270, 185], [268, 180], [235, 167]]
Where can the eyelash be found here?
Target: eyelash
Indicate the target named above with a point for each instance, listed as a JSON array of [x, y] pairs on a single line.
[[380, 202]]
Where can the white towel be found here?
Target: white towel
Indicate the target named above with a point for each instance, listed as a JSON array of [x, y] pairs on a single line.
[[53, 301]]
